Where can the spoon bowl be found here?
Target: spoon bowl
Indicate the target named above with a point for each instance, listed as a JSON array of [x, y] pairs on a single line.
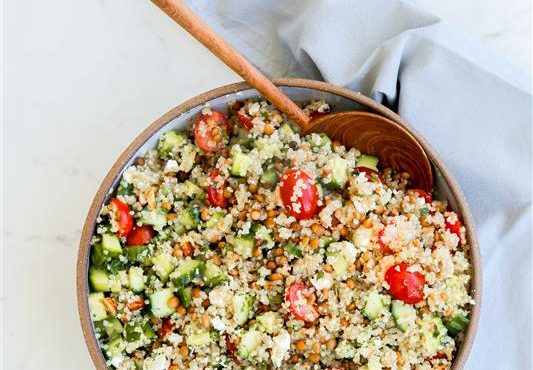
[[374, 134]]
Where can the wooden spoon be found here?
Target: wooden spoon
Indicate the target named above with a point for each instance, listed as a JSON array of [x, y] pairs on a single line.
[[368, 132]]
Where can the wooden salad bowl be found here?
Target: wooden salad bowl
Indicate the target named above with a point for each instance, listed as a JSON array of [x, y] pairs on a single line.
[[340, 99]]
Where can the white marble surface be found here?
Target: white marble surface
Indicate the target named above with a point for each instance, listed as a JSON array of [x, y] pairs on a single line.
[[81, 80]]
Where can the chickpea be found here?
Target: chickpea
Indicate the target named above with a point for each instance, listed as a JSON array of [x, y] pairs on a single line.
[[314, 358], [196, 292], [271, 213], [300, 345], [271, 265], [173, 302], [276, 276], [318, 229]]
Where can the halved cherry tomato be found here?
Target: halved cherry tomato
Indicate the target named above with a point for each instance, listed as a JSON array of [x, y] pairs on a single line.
[[438, 356], [165, 329], [215, 195], [210, 130], [369, 172], [454, 228], [384, 246], [121, 214], [299, 194], [231, 347], [299, 306], [245, 121], [140, 235], [423, 194], [316, 115], [404, 285]]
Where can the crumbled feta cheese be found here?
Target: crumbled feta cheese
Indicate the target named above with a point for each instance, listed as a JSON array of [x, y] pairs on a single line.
[[280, 347]]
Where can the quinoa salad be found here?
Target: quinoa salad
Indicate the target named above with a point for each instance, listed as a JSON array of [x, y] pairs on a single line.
[[237, 244]]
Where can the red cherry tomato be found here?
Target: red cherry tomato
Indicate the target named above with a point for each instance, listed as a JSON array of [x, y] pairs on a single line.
[[121, 212], [423, 194], [215, 194], [454, 228], [140, 235], [165, 329], [298, 303], [231, 347], [384, 246], [404, 285], [299, 194], [316, 115], [438, 356], [369, 172], [245, 121], [210, 130]]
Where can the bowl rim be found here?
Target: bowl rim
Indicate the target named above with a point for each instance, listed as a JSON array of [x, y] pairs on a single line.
[[82, 284]]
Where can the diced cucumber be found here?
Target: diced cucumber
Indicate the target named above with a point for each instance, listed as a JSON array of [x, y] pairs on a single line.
[[138, 253], [213, 274], [185, 296], [266, 147], [136, 279], [190, 218], [188, 155], [243, 305], [112, 327], [269, 177], [99, 280], [240, 164], [114, 350], [292, 249], [192, 190], [368, 161], [250, 341], [111, 244], [456, 324], [156, 218], [404, 315], [286, 130], [244, 245], [170, 142], [159, 303], [133, 332], [261, 233], [339, 173], [319, 140], [199, 339], [376, 304], [96, 306], [186, 272], [434, 332], [341, 255], [270, 322], [124, 188], [163, 266], [98, 258], [325, 241], [213, 220], [148, 330], [456, 291]]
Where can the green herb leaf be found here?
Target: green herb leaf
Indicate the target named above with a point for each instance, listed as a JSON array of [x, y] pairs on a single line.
[[293, 250]]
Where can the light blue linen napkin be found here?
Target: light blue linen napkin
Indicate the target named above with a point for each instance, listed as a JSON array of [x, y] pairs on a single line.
[[473, 107]]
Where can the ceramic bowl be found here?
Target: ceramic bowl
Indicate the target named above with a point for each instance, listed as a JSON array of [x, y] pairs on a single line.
[[445, 186]]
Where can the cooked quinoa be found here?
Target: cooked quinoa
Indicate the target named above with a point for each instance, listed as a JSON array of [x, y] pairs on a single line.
[[239, 244]]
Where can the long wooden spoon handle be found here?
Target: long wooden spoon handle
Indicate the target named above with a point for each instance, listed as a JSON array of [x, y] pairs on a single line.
[[177, 10]]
